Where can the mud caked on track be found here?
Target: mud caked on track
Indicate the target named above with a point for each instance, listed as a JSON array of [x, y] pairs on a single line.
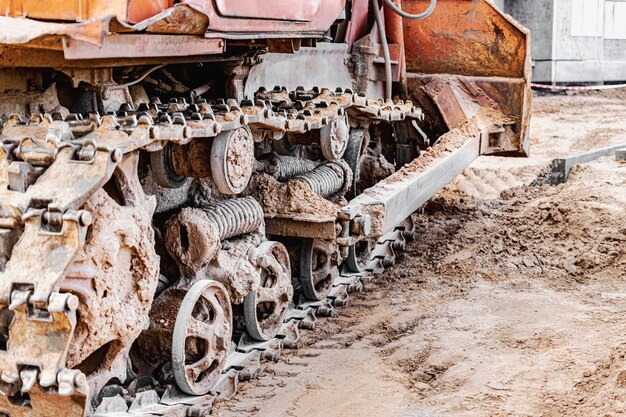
[[509, 302]]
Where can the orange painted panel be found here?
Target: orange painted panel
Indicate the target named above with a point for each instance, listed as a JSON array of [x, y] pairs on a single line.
[[131, 11], [139, 10], [465, 37]]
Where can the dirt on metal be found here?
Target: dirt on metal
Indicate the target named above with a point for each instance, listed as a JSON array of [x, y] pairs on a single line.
[[509, 303], [119, 268], [289, 197]]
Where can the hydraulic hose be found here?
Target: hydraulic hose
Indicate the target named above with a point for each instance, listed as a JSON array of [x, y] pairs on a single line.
[[140, 79], [383, 34], [423, 15], [383, 40]]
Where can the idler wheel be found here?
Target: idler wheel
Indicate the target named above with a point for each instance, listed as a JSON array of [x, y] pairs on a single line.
[[318, 268], [334, 139], [202, 336], [265, 308], [232, 160]]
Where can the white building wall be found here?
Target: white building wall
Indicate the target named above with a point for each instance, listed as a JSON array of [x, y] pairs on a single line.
[[575, 40]]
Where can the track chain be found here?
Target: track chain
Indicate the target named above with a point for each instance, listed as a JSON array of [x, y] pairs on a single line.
[[245, 358], [49, 167]]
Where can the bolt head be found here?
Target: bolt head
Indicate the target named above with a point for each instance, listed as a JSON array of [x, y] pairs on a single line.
[[155, 132], [72, 303], [86, 218], [80, 379], [117, 155]]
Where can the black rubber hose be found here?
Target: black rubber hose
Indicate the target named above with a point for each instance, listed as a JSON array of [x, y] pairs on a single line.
[[423, 15], [383, 40], [383, 34]]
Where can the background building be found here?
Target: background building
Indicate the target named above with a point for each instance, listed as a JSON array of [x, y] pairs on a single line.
[[574, 41]]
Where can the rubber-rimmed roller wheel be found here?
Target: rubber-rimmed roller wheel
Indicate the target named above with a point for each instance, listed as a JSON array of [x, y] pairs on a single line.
[[265, 308], [202, 336], [359, 255], [318, 268], [163, 170]]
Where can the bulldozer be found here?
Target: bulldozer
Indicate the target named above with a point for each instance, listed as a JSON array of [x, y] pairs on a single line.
[[186, 185]]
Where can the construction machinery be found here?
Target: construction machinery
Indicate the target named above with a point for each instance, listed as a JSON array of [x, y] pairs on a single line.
[[185, 185]]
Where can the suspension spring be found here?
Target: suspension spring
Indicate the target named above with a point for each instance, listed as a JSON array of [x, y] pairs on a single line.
[[193, 237], [235, 217], [329, 178], [284, 168]]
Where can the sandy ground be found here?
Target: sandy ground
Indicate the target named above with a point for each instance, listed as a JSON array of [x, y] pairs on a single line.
[[510, 302]]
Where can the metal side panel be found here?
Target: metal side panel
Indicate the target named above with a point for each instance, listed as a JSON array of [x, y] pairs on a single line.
[[309, 67], [141, 45]]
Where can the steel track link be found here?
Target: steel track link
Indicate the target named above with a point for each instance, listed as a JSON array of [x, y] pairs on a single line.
[[245, 358], [63, 160]]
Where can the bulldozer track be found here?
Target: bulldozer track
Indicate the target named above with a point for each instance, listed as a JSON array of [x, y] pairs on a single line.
[[245, 359], [61, 161]]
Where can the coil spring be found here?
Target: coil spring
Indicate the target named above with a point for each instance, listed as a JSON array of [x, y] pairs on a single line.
[[235, 217], [284, 168], [327, 179]]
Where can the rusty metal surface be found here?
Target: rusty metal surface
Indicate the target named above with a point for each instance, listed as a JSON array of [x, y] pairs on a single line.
[[35, 270], [179, 19], [21, 31], [54, 405], [140, 10], [132, 11], [72, 173], [250, 27], [212, 322], [72, 10], [193, 17], [265, 307], [465, 37], [468, 55], [17, 56], [30, 345], [44, 210], [286, 226], [358, 24], [452, 100]]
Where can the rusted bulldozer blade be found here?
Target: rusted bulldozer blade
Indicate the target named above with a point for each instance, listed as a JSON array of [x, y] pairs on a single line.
[[469, 59], [37, 403]]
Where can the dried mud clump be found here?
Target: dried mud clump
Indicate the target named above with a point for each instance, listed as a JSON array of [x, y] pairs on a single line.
[[115, 277], [291, 197], [373, 168]]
